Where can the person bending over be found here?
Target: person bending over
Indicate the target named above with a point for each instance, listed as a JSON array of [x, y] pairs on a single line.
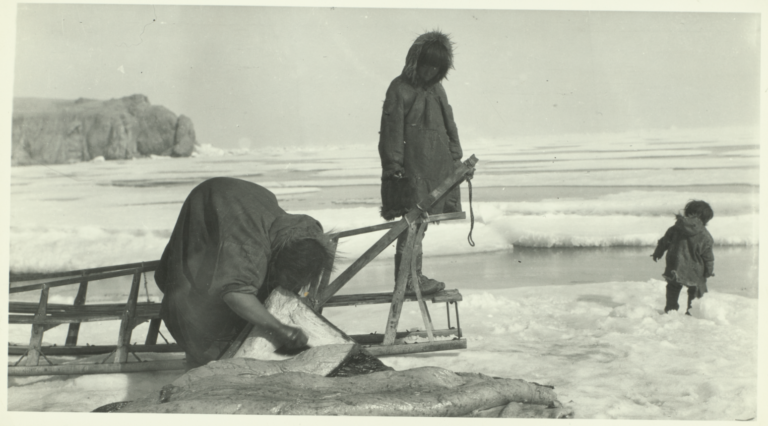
[[231, 246]]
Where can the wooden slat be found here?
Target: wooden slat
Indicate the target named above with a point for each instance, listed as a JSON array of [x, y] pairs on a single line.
[[396, 308], [365, 230], [96, 349], [434, 218], [451, 295], [77, 369], [447, 296], [60, 319], [36, 339], [412, 348], [74, 328], [147, 266], [127, 323], [31, 307], [70, 281], [55, 320], [446, 216], [377, 338], [417, 285], [53, 308]]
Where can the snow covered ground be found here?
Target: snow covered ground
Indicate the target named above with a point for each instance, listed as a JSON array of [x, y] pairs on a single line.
[[603, 344], [605, 348]]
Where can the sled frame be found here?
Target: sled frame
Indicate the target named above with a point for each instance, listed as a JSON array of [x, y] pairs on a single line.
[[43, 316]]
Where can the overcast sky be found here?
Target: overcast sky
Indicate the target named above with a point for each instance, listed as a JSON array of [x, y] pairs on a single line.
[[303, 76]]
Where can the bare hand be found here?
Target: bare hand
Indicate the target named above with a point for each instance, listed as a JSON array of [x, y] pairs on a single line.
[[469, 174]]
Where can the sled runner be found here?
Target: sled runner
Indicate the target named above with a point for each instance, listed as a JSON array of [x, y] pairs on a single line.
[[43, 316]]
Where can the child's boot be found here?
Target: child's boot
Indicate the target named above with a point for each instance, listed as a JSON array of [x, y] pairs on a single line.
[[673, 293], [691, 296]]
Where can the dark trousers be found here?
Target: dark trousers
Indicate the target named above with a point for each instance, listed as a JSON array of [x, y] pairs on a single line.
[[400, 248], [673, 294]]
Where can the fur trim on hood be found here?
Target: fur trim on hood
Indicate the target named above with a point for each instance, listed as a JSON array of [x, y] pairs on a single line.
[[412, 59]]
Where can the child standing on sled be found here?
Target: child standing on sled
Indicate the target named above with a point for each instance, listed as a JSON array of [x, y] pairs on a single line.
[[690, 260], [419, 143]]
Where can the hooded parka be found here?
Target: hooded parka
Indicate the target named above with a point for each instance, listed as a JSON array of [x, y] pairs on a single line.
[[690, 259], [227, 233], [418, 137]]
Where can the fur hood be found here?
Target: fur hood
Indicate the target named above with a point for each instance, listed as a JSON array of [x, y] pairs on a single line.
[[412, 59], [289, 228], [688, 226]]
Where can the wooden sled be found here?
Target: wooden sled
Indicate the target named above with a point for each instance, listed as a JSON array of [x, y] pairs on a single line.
[[43, 316]]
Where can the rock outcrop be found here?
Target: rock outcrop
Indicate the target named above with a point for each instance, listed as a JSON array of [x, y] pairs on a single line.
[[55, 131]]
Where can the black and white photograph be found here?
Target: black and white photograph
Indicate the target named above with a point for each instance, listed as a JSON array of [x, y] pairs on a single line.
[[528, 210]]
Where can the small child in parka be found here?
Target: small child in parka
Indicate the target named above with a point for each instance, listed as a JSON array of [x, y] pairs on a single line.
[[690, 260]]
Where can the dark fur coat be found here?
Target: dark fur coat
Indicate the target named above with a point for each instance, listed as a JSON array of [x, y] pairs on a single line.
[[689, 253], [418, 138], [227, 232]]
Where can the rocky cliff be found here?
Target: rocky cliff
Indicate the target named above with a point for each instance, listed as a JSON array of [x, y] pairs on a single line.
[[49, 131]]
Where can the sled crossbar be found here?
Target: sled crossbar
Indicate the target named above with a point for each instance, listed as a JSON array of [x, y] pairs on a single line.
[[449, 296]]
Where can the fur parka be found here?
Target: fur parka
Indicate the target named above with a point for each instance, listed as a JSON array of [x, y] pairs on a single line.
[[690, 260], [226, 235], [418, 137]]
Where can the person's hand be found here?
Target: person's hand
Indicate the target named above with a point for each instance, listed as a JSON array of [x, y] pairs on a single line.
[[655, 258], [293, 337], [468, 175], [398, 175]]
